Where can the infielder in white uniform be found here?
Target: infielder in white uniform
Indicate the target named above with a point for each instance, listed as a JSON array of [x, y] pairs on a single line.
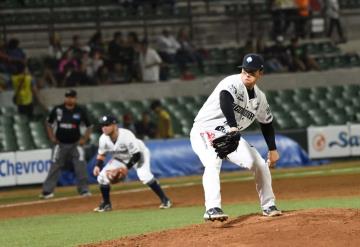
[[233, 105], [127, 151]]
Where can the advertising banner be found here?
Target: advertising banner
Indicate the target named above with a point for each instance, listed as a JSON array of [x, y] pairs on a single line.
[[31, 167], [7, 169], [354, 139], [333, 141]]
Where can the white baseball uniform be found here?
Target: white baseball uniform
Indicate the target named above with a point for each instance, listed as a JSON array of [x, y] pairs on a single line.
[[122, 150], [211, 123]]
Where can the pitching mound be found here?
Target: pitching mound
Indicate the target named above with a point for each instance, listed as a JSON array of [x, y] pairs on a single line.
[[316, 227]]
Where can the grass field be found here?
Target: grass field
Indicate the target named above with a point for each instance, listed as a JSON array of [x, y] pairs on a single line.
[[74, 229]]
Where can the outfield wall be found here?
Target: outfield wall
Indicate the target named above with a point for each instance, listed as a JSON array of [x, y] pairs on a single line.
[[169, 158]]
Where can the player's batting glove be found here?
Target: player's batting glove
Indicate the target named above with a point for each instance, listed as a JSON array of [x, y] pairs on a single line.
[[226, 144]]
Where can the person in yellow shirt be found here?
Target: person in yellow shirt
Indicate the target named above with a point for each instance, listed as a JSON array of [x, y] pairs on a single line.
[[164, 127], [25, 90]]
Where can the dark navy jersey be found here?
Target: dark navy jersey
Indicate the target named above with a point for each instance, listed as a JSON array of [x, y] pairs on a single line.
[[68, 122]]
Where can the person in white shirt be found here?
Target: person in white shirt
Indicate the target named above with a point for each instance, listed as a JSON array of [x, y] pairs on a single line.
[[150, 63], [233, 105], [127, 152]]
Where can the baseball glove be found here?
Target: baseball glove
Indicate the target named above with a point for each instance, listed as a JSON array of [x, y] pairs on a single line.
[[226, 144], [117, 175]]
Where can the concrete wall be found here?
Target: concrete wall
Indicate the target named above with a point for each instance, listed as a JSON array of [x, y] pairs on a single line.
[[139, 91]]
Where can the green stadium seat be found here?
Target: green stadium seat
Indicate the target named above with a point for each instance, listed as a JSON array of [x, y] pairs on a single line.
[[7, 110], [321, 120], [286, 123], [303, 121], [289, 106], [306, 105], [342, 102], [339, 119], [325, 103]]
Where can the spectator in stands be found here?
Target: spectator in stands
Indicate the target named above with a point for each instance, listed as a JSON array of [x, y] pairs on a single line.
[[77, 48], [91, 63], [128, 122], [103, 76], [117, 74], [164, 128], [132, 57], [68, 144], [284, 13], [302, 18], [55, 48], [277, 59], [187, 52], [66, 60], [150, 63], [300, 60], [167, 46], [96, 43], [145, 128], [25, 91], [15, 53], [332, 12], [116, 48]]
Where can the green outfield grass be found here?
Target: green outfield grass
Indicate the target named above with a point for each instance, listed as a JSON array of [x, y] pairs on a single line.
[[74, 229]]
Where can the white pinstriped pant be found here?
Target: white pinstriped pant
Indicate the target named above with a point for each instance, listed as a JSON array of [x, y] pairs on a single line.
[[245, 156]]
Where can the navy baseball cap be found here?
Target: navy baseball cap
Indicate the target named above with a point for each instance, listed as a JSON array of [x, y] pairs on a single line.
[[107, 120], [70, 93], [252, 62]]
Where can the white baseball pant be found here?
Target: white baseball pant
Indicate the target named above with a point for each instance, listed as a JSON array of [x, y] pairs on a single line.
[[245, 156]]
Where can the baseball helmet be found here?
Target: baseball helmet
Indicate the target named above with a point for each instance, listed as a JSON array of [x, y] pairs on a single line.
[[107, 120]]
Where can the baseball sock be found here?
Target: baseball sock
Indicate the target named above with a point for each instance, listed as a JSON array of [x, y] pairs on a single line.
[[105, 192], [154, 185]]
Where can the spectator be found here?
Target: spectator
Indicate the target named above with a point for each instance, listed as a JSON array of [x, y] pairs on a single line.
[[150, 62], [332, 12], [103, 76], [67, 59], [188, 52], [77, 48], [284, 13], [277, 59], [91, 63], [167, 46], [300, 59], [128, 121], [302, 18], [117, 74], [164, 128], [116, 48], [96, 43], [145, 128], [132, 57], [68, 142], [25, 91], [55, 48], [16, 54]]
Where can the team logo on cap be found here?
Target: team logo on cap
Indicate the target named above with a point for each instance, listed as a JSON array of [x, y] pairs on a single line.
[[249, 59], [104, 118]]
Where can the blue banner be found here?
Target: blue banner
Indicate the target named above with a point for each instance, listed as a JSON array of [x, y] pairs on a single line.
[[175, 157]]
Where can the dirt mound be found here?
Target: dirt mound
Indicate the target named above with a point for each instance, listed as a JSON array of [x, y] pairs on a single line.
[[316, 227]]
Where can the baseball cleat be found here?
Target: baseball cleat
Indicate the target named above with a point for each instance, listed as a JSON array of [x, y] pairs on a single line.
[[272, 211], [103, 207], [46, 195], [165, 205], [215, 214]]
